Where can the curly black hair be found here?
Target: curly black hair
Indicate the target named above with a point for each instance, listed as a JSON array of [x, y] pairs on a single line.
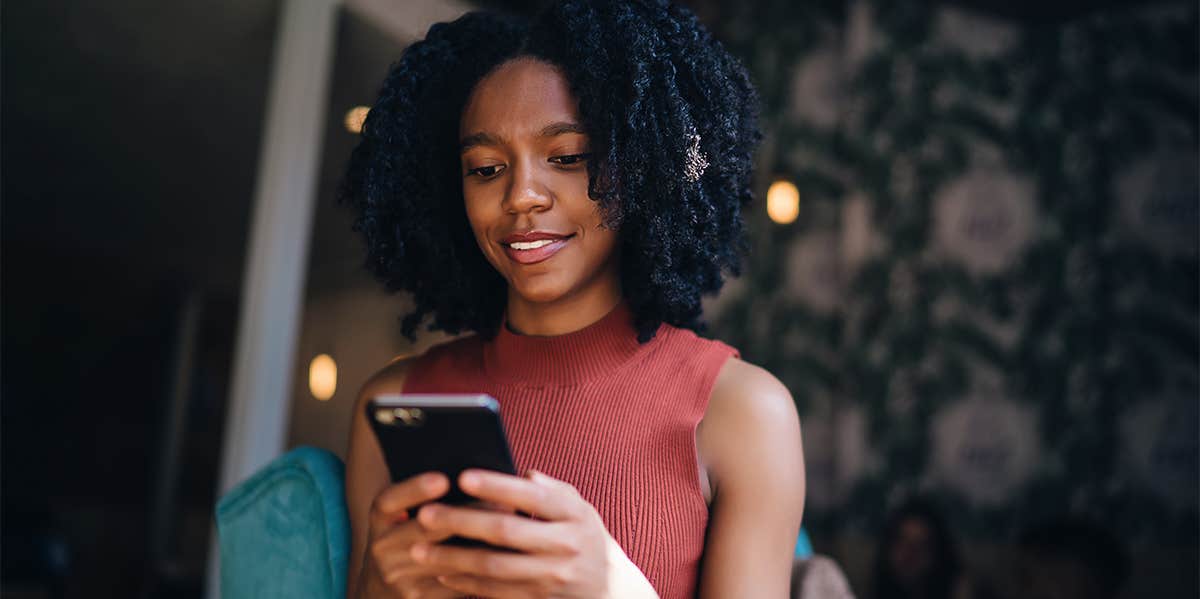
[[647, 76]]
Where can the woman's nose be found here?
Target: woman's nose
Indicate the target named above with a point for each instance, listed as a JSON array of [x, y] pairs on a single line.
[[526, 193]]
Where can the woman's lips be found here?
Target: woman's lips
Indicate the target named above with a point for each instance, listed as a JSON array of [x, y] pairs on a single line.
[[535, 255]]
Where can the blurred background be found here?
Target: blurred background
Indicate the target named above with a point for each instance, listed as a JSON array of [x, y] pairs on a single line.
[[975, 263]]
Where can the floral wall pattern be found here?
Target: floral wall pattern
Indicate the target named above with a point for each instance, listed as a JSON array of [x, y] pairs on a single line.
[[992, 292]]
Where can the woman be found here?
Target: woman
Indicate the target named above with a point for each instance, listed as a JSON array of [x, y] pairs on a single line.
[[917, 558], [566, 189]]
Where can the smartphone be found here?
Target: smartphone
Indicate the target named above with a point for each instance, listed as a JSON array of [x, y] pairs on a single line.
[[440, 433]]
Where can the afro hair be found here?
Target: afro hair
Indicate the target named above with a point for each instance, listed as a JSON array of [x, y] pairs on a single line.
[[648, 78]]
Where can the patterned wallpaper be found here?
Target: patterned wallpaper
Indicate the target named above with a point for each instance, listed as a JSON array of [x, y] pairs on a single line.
[[993, 289]]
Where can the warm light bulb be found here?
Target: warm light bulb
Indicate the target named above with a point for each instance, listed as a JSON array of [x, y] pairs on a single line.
[[783, 202], [322, 377], [355, 117]]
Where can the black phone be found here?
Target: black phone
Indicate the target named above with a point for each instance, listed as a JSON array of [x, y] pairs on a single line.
[[440, 433]]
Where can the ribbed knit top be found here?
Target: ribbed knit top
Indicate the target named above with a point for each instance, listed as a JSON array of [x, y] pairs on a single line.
[[613, 417]]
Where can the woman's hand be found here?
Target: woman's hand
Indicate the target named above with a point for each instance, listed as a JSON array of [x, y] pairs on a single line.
[[564, 551], [388, 570]]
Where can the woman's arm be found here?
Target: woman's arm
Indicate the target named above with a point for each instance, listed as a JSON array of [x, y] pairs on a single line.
[[366, 472], [749, 442]]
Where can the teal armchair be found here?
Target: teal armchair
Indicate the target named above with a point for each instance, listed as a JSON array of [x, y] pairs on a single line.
[[284, 532]]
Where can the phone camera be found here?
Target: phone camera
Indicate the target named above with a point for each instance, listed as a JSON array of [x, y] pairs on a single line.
[[410, 416]]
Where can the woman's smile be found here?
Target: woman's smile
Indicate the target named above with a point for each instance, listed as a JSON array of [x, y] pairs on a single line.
[[535, 247]]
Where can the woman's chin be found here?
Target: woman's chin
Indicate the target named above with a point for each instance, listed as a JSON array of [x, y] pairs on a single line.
[[540, 297], [540, 293]]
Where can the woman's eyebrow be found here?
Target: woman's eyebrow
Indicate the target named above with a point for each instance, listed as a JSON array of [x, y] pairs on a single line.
[[560, 128], [477, 139], [484, 138]]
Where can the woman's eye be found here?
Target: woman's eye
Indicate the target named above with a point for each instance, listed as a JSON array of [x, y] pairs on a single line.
[[572, 158], [485, 171]]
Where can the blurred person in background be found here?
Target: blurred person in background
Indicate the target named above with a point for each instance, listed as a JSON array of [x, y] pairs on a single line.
[[917, 557]]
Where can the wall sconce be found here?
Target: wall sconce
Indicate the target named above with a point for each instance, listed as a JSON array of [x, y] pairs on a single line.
[[322, 377], [783, 202]]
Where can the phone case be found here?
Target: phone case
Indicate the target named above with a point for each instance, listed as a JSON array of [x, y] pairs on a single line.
[[447, 433], [443, 433]]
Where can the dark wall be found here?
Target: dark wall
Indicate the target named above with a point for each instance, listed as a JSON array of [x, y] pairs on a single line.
[[130, 137]]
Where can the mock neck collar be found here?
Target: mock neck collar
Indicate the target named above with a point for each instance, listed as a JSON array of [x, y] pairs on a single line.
[[566, 359]]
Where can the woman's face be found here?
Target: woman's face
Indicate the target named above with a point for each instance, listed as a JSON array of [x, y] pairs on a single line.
[[911, 553], [524, 167]]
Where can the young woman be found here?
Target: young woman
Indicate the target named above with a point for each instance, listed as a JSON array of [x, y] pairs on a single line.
[[566, 189], [917, 557]]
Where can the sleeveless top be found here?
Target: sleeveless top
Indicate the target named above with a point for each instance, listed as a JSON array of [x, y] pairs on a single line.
[[615, 418]]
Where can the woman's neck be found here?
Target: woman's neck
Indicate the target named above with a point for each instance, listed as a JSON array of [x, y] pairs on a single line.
[[563, 316]]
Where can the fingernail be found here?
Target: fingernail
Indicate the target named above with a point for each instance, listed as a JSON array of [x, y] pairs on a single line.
[[420, 551]]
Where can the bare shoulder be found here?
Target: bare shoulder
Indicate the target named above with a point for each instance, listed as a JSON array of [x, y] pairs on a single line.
[[749, 412], [746, 396], [389, 379]]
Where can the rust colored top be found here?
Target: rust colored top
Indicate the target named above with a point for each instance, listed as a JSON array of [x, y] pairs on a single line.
[[615, 418]]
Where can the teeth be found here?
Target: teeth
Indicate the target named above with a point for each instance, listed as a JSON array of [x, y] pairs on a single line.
[[530, 245]]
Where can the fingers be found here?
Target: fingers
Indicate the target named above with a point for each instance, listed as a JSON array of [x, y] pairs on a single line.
[[501, 529], [396, 540], [392, 535], [428, 587], [546, 497], [391, 553], [488, 564], [474, 585], [392, 504]]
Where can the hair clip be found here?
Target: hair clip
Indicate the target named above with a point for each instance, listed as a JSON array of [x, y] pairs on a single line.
[[694, 162]]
